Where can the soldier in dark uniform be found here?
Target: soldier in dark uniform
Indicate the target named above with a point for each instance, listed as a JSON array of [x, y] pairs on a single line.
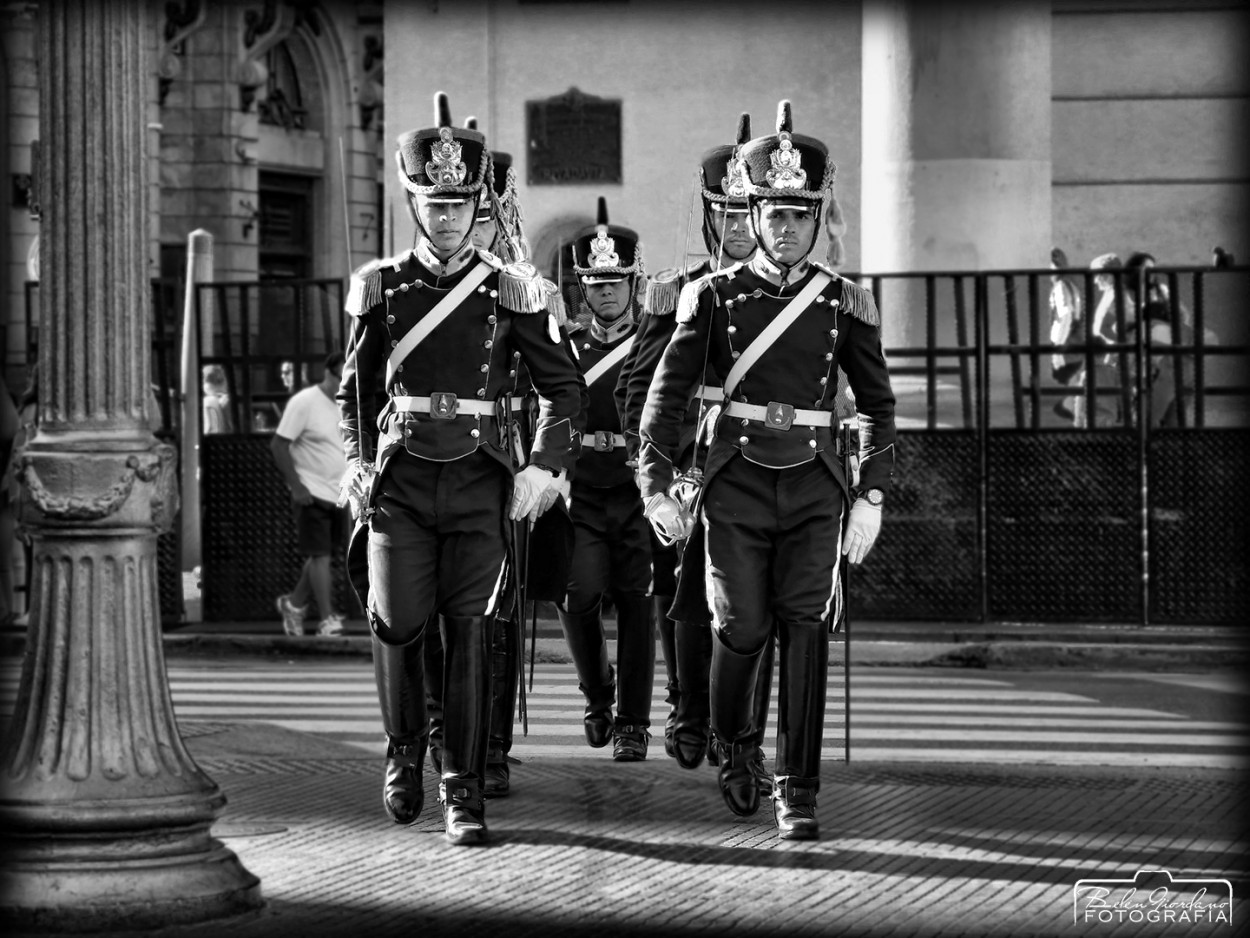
[[687, 646], [611, 546], [496, 230], [443, 329], [772, 512]]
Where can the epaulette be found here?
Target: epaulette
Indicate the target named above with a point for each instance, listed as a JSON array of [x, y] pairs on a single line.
[[662, 292], [688, 302], [364, 289], [522, 289], [858, 302]]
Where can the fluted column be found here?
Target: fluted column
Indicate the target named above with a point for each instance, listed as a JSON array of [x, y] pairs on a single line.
[[107, 817]]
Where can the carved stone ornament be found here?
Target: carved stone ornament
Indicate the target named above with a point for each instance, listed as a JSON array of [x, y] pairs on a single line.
[[786, 172], [121, 490]]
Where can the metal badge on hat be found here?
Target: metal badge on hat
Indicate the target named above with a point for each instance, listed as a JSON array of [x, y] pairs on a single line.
[[603, 249], [445, 167], [786, 173], [734, 183]]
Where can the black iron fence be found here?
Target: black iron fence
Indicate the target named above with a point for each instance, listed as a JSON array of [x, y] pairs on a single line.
[[1090, 471], [1094, 472]]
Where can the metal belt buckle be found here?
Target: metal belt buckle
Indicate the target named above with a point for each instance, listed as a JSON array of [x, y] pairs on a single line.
[[778, 416], [443, 405], [604, 442]]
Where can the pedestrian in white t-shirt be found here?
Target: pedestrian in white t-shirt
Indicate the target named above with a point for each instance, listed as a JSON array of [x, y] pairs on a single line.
[[309, 451]]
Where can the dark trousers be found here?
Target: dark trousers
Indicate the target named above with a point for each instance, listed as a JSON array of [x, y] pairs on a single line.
[[612, 555], [437, 546], [773, 547]]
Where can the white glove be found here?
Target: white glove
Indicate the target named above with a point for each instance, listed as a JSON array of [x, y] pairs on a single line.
[[563, 487], [355, 486], [670, 522], [529, 487], [861, 530]]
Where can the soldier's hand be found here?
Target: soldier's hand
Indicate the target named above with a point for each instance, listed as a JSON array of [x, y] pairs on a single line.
[[300, 494], [861, 530], [529, 487], [549, 496], [355, 486], [670, 522]]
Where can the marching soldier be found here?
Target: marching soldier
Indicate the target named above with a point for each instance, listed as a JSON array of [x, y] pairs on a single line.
[[611, 537], [687, 646], [768, 522], [432, 478]]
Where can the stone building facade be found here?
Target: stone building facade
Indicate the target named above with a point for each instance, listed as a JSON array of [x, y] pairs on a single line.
[[968, 135]]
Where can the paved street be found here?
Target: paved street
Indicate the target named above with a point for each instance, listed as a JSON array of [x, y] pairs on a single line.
[[973, 804]]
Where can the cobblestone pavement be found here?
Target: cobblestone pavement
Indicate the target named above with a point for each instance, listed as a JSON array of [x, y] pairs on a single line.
[[597, 848]]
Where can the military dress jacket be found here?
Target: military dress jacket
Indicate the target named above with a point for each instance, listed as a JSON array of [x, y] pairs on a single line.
[[655, 329], [720, 316], [603, 462], [473, 355]]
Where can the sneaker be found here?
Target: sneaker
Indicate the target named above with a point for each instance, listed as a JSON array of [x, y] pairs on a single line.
[[292, 615], [331, 625]]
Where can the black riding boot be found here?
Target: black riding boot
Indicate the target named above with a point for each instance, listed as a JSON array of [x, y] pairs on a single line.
[[503, 677], [635, 677], [583, 631], [733, 680], [800, 728], [667, 630], [763, 689], [434, 697], [466, 725], [694, 661], [401, 694]]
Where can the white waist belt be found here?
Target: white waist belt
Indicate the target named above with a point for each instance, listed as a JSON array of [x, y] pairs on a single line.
[[764, 414], [602, 441], [448, 406]]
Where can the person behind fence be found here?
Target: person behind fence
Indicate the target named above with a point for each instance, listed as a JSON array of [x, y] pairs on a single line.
[[309, 453], [769, 525], [612, 548], [687, 646], [1067, 327], [436, 337], [216, 400]]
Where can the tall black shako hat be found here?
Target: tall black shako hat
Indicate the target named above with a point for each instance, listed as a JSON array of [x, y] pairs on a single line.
[[786, 167], [444, 163], [606, 253], [724, 186]]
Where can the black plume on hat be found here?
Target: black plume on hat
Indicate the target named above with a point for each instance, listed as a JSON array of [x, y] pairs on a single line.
[[744, 128]]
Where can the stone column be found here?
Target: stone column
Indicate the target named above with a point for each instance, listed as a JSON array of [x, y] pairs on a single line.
[[107, 817], [957, 159]]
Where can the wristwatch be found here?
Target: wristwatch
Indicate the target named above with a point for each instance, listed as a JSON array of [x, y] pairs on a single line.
[[874, 497]]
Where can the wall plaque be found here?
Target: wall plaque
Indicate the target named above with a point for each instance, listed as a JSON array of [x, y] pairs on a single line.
[[573, 138]]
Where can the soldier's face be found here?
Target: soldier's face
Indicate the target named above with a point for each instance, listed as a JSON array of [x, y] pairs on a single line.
[[607, 300], [739, 240], [483, 235], [446, 223], [787, 231]]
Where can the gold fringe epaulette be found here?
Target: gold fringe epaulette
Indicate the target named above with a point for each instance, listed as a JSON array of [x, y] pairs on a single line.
[[555, 304], [688, 302], [522, 289], [364, 290], [662, 292], [859, 303]]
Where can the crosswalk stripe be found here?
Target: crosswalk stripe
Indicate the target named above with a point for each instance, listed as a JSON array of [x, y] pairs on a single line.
[[895, 716]]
